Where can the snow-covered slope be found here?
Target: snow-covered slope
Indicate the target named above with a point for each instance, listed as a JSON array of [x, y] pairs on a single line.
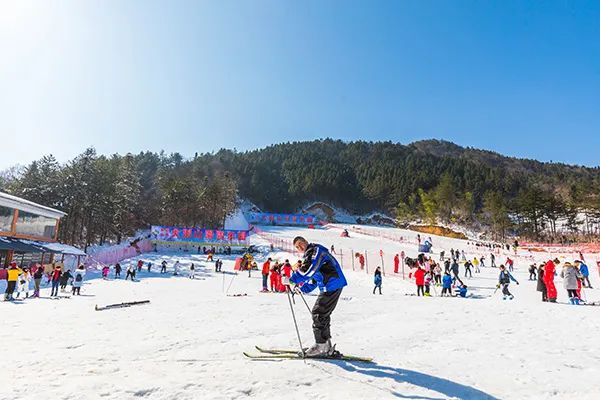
[[188, 342]]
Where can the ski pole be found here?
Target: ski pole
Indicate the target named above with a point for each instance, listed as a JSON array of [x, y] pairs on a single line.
[[230, 282], [295, 323], [305, 303]]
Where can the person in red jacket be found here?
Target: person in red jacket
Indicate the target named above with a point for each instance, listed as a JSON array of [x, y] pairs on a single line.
[[420, 280], [396, 263], [265, 274], [549, 270], [361, 260], [275, 277], [287, 269]]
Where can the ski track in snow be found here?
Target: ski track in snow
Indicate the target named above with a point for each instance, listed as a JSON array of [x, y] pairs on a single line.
[[188, 342]]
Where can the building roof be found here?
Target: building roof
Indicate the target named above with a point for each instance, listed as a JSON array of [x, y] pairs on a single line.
[[8, 200]]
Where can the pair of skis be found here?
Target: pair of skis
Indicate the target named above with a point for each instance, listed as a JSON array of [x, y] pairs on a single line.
[[288, 354], [121, 305]]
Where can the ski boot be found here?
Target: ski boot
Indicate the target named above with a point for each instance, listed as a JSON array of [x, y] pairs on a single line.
[[511, 297], [319, 350]]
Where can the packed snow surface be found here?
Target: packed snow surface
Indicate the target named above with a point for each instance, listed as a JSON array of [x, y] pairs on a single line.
[[188, 342]]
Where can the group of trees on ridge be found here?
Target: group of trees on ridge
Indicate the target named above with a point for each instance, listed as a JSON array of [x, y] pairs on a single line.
[[107, 197]]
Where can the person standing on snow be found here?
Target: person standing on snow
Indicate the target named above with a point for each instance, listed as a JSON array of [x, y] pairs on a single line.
[[163, 267], [265, 274], [11, 280], [78, 280], [64, 280], [130, 272], [192, 271], [454, 269], [475, 264], [585, 272], [571, 277], [377, 280], [55, 279], [493, 260], [549, 271], [504, 280], [437, 274], [105, 271], [176, 268], [396, 263], [420, 280], [468, 269], [117, 270], [23, 285], [37, 280], [319, 269], [447, 284], [541, 286], [509, 263]]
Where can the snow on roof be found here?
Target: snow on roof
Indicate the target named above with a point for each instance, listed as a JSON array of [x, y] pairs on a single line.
[[63, 248], [8, 200]]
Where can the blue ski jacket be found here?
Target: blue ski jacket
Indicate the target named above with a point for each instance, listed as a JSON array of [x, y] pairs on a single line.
[[447, 282], [319, 269], [584, 270], [506, 277]]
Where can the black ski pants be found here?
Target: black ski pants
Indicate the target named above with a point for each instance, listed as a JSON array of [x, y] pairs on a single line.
[[420, 290], [321, 314], [505, 289]]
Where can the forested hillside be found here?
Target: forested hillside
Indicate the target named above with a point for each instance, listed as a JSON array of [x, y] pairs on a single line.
[[110, 196]]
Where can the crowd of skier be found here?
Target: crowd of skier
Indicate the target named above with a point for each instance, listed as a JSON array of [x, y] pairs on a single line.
[[19, 280]]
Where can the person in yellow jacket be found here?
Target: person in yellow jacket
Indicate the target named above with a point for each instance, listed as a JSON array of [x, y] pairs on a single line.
[[11, 278]]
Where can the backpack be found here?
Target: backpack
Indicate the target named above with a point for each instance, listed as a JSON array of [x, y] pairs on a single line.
[[78, 278]]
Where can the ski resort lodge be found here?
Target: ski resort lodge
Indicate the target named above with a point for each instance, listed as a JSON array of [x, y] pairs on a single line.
[[29, 232]]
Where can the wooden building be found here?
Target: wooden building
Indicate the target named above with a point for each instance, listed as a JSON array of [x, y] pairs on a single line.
[[25, 228]]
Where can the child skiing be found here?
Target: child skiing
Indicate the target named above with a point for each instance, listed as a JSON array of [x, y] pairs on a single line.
[[105, 271], [377, 280], [117, 270], [504, 280], [163, 267]]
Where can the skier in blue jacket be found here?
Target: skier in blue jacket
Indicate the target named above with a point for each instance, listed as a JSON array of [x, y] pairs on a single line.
[[447, 284], [319, 269], [377, 280], [504, 280]]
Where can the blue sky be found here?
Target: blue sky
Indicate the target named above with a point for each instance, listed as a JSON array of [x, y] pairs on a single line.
[[518, 77]]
